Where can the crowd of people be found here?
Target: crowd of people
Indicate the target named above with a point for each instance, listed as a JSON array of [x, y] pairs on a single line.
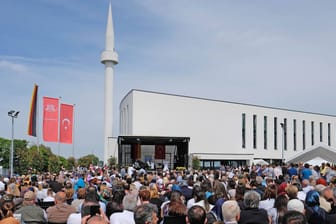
[[268, 194]]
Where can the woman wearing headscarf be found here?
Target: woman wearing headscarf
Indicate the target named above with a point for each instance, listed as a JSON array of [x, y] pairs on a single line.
[[314, 213]]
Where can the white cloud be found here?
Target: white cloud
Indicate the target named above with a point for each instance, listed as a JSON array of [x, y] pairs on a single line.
[[16, 67]]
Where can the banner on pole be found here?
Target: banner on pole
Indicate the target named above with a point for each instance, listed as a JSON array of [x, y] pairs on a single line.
[[66, 123], [50, 119], [32, 122]]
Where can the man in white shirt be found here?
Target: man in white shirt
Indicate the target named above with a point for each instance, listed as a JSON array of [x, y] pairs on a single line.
[[127, 216], [277, 171]]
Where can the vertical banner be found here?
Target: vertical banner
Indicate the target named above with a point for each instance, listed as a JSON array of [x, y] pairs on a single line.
[[50, 119], [136, 151], [66, 123], [160, 152], [32, 122]]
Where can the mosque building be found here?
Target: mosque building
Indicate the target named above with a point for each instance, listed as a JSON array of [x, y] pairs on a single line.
[[169, 130], [158, 126]]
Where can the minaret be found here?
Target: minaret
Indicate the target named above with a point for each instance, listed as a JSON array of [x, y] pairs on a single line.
[[109, 58]]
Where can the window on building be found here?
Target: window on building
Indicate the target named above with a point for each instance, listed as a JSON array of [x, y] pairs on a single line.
[[265, 132], [294, 135], [303, 135], [329, 143], [312, 132], [275, 133], [244, 130], [254, 131], [285, 133], [321, 132]]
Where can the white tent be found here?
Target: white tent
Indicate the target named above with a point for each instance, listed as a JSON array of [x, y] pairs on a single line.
[[317, 161], [259, 162]]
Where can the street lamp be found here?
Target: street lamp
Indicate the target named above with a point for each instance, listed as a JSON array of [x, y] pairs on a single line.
[[13, 114], [283, 143]]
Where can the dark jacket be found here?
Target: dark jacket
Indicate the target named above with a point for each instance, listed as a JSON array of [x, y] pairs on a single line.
[[253, 216]]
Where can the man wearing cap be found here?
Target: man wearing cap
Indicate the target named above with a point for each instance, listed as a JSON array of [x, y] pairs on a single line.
[[30, 213]]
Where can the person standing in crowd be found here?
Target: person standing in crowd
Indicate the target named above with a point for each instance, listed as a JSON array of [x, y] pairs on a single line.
[[155, 197], [231, 212], [196, 215], [300, 168], [294, 217], [279, 209], [220, 197], [7, 209], [30, 213], [296, 205], [268, 197], [145, 214], [292, 170], [174, 206], [79, 200], [278, 171], [144, 196], [306, 172], [60, 212], [12, 188], [126, 216], [252, 213], [314, 213]]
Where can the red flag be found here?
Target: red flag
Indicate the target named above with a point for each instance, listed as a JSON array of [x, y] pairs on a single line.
[[66, 123], [33, 113], [160, 152], [50, 119]]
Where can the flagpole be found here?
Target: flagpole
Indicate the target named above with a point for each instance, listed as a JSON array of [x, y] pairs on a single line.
[[73, 131], [59, 127], [37, 121]]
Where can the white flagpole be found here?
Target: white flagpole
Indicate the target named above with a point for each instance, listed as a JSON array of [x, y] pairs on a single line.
[[37, 119], [73, 131], [59, 126]]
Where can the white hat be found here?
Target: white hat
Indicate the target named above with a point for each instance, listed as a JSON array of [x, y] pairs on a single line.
[[295, 205]]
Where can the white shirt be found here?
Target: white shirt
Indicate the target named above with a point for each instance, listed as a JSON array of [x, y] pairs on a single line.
[[267, 204], [130, 171], [74, 218], [201, 203], [125, 217], [2, 186], [190, 202], [277, 171], [48, 199]]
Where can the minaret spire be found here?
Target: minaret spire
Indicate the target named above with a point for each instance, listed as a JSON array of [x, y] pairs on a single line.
[[109, 53], [109, 58]]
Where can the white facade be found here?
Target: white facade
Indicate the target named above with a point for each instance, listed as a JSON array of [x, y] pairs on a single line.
[[216, 128]]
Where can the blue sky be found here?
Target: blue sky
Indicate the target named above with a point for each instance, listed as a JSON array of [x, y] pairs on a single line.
[[270, 53]]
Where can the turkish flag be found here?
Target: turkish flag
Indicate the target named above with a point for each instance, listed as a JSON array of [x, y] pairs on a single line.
[[50, 119], [66, 123]]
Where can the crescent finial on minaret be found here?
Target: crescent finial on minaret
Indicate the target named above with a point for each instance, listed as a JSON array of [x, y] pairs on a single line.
[[109, 53]]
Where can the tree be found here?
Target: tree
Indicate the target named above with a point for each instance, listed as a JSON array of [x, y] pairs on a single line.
[[5, 145], [71, 163], [112, 161], [85, 161], [195, 163], [54, 165]]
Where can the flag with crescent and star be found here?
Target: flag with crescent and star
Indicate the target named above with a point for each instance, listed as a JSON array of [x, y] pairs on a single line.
[[66, 123]]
